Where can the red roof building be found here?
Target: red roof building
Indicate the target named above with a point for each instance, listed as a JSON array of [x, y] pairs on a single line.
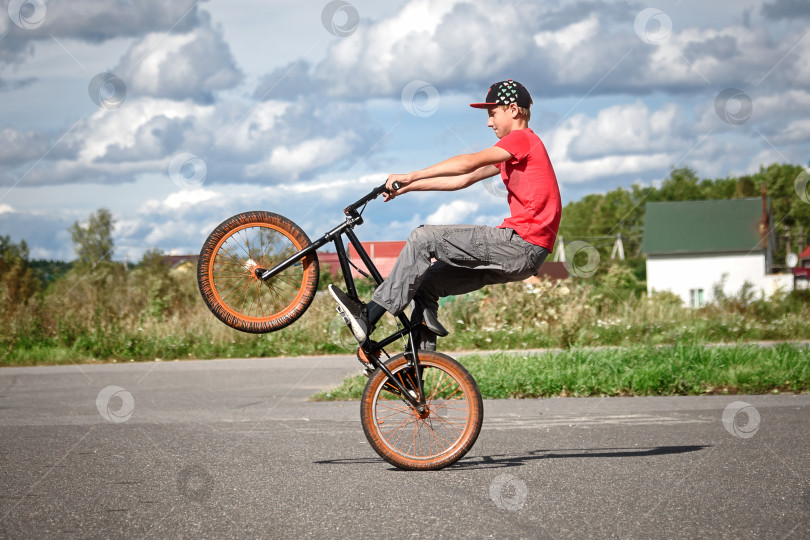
[[329, 262], [803, 269], [383, 255], [804, 257]]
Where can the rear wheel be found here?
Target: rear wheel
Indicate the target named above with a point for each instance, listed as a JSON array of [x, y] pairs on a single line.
[[228, 282], [436, 439]]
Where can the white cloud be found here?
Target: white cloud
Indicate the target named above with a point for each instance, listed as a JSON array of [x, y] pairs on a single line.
[[294, 161], [586, 49], [628, 129], [629, 110], [573, 172], [275, 141], [95, 21], [454, 212], [180, 66], [17, 146], [621, 140], [570, 36], [443, 43], [190, 197], [4, 24]]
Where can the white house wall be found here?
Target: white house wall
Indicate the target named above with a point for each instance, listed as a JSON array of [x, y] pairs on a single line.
[[682, 273], [778, 282]]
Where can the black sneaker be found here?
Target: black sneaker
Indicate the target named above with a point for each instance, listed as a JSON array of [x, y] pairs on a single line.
[[354, 313]]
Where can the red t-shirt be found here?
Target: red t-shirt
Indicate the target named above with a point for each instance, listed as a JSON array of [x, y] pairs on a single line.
[[534, 197]]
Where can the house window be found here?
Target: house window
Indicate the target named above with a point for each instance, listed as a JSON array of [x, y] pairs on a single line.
[[696, 297]]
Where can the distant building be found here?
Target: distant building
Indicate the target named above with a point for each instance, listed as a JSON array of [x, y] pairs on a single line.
[[328, 262], [552, 271], [383, 255], [804, 258], [173, 261], [801, 274], [694, 246]]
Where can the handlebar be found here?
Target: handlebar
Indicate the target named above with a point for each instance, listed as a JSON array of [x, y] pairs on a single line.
[[376, 192]]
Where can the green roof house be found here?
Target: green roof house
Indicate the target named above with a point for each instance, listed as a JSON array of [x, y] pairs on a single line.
[[694, 246]]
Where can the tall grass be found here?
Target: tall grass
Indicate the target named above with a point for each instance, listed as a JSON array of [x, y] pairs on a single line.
[[110, 313]]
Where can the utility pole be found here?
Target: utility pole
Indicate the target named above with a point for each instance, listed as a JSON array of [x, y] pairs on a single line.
[[618, 248], [560, 255]]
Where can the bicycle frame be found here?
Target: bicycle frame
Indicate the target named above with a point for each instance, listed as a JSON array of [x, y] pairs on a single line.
[[353, 219]]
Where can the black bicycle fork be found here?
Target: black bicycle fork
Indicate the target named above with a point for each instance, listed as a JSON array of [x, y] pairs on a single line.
[[354, 219]]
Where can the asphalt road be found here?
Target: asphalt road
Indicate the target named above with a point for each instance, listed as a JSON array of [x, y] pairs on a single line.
[[232, 449]]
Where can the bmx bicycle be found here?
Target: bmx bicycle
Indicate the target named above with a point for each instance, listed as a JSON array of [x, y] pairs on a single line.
[[258, 272]]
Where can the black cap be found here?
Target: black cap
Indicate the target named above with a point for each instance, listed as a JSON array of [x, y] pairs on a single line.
[[506, 93]]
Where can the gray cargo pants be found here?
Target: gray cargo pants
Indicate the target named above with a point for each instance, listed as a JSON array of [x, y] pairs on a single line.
[[440, 260]]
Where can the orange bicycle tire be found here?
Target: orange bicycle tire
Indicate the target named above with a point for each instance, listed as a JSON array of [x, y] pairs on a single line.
[[397, 433], [227, 280]]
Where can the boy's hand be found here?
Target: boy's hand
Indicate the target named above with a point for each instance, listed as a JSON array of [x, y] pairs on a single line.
[[401, 178]]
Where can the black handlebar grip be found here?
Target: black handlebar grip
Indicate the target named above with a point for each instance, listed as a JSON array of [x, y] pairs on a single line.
[[396, 186]]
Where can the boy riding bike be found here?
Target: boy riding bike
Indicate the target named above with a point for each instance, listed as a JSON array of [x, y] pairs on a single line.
[[440, 261]]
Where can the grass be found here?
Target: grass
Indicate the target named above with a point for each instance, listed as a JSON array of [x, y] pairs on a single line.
[[685, 369], [119, 315]]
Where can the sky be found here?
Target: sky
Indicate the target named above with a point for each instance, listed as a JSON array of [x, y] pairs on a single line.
[[176, 115]]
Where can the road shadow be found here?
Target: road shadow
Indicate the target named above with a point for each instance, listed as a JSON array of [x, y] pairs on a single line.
[[503, 460]]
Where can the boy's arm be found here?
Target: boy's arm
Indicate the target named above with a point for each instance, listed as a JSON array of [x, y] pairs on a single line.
[[448, 183], [451, 174]]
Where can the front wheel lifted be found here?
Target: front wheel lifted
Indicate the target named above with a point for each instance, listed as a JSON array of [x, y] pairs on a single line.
[[228, 281], [430, 441]]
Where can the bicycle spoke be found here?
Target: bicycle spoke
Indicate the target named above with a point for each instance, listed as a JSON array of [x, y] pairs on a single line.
[[448, 425], [236, 283], [448, 443], [423, 438]]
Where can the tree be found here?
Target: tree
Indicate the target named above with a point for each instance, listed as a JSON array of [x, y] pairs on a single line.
[[93, 240], [681, 185], [791, 210], [17, 282], [745, 187], [597, 218]]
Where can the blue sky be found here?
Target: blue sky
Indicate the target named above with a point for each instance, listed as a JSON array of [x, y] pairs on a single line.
[[176, 115]]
